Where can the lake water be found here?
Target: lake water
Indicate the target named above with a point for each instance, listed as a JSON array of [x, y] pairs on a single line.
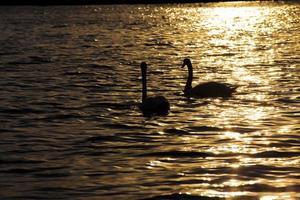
[[70, 83]]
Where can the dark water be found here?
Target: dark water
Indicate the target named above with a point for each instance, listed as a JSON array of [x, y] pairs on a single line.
[[70, 84]]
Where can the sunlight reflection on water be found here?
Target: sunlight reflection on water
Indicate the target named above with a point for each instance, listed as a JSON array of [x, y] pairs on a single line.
[[71, 89]]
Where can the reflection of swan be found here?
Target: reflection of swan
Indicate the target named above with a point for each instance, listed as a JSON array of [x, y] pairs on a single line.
[[208, 89], [152, 105]]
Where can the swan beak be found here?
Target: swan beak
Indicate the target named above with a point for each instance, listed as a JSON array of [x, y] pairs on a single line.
[[183, 65]]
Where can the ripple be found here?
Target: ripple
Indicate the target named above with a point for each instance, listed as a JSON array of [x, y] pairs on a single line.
[[204, 129], [99, 66], [266, 188], [121, 126], [32, 60], [175, 131], [275, 154], [19, 161], [288, 100], [21, 110], [177, 196], [177, 154]]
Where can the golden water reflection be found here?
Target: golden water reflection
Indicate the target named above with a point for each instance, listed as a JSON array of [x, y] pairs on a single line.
[[236, 48]]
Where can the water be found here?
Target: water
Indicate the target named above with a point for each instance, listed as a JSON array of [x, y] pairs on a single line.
[[70, 85]]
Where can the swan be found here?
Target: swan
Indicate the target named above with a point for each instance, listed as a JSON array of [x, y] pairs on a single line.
[[155, 104], [207, 89]]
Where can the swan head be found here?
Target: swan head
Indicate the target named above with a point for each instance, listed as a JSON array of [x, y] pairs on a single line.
[[143, 66], [187, 62]]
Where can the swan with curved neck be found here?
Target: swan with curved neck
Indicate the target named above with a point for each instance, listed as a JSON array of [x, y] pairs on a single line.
[[155, 104], [207, 89]]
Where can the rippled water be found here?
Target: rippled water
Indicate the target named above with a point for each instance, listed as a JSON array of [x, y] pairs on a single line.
[[70, 85]]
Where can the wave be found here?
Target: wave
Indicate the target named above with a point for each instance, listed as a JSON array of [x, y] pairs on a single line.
[[275, 154], [178, 196], [32, 60], [21, 110], [176, 154]]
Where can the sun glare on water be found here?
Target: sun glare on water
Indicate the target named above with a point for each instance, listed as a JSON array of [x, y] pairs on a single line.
[[236, 39]]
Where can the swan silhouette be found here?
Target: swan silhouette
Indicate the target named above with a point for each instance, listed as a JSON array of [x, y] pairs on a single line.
[[158, 105], [207, 89]]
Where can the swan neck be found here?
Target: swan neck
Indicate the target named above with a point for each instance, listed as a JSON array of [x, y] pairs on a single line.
[[144, 84], [188, 85]]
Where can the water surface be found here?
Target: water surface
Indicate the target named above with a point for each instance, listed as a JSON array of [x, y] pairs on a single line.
[[70, 85]]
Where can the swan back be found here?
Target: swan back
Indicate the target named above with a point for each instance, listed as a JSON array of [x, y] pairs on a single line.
[[155, 105], [212, 89]]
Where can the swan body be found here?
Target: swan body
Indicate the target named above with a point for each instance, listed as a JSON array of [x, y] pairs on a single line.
[[207, 89], [154, 104]]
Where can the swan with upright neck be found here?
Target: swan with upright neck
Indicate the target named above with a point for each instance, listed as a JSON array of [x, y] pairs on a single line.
[[207, 89], [153, 105]]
